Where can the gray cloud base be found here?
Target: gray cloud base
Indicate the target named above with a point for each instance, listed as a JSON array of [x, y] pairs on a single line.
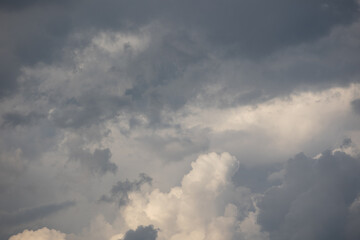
[[242, 27], [317, 200], [141, 233], [120, 191], [11, 221]]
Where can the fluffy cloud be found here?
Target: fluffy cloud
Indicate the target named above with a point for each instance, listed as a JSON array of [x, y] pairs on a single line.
[[206, 205], [41, 234]]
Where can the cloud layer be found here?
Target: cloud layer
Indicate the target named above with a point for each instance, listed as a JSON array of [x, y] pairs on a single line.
[[139, 111]]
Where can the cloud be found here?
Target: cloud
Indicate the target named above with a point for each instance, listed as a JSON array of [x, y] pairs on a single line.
[[239, 28], [27, 215], [242, 129], [355, 104], [41, 234], [317, 199], [206, 205], [141, 233], [120, 192], [257, 28], [86, 110], [131, 86], [12, 221], [14, 119], [97, 162]]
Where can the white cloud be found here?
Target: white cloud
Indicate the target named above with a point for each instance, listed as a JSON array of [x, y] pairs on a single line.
[[41, 234], [205, 207], [282, 125]]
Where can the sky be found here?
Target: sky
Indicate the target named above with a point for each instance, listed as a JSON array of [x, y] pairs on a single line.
[[179, 120]]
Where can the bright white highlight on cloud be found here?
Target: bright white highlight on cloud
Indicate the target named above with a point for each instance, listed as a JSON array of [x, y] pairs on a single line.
[[115, 42], [41, 234], [288, 123], [205, 207]]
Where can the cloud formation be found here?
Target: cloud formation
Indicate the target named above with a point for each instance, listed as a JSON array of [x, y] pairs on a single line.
[[41, 234], [206, 205], [97, 162], [121, 190], [318, 199], [10, 221], [141, 233], [95, 93]]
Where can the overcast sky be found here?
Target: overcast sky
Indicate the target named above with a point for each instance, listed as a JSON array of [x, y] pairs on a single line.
[[179, 120]]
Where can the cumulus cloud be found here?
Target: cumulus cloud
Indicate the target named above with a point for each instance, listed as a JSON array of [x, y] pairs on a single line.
[[317, 200], [206, 205], [41, 234]]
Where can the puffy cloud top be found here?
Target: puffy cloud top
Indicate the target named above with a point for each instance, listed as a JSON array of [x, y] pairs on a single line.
[[207, 206], [41, 234]]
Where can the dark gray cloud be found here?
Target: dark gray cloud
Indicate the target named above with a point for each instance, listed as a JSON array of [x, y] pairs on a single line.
[[356, 105], [97, 162], [347, 142], [317, 200], [14, 119], [142, 233], [353, 220], [91, 108], [59, 90], [32, 214], [120, 191], [254, 28], [20, 4], [9, 221], [37, 31], [256, 177]]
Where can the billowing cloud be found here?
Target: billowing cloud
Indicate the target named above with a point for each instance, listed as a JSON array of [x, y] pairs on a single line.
[[206, 205], [41, 234], [269, 26], [94, 93], [317, 200]]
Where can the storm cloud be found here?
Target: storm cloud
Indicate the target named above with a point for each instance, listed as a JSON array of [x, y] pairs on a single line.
[[141, 233], [317, 199], [9, 221], [120, 191], [209, 98]]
